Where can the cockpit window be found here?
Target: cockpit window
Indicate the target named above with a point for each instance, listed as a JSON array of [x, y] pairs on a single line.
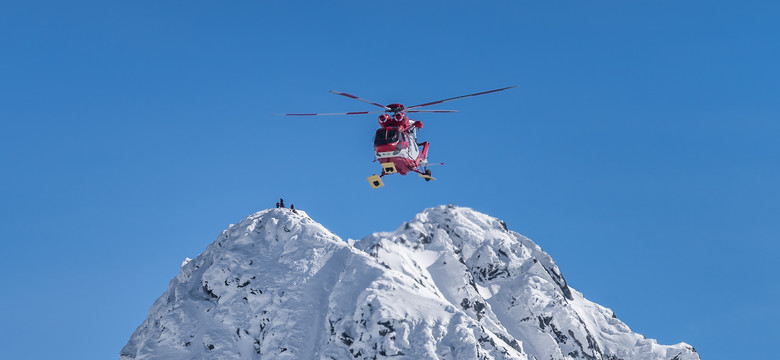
[[386, 136]]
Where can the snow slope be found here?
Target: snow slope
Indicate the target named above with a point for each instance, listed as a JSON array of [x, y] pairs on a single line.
[[450, 284]]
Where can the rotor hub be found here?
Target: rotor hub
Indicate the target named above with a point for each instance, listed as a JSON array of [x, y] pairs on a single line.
[[395, 108]]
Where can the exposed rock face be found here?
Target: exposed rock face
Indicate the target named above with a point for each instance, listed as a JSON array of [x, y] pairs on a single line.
[[450, 284]]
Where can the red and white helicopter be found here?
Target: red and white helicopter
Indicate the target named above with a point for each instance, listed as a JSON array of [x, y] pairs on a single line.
[[395, 142]]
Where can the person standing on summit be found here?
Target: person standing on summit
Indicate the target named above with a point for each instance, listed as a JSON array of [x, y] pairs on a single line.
[[281, 203]]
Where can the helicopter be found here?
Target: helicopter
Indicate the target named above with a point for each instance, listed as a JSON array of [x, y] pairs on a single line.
[[395, 142]]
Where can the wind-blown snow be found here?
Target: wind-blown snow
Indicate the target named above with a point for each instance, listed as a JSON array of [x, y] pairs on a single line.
[[450, 284]]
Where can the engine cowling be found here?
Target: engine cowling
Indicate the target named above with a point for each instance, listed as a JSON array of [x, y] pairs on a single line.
[[397, 120], [385, 120]]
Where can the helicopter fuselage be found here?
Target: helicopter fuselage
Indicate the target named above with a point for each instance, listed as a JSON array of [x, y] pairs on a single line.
[[396, 142]]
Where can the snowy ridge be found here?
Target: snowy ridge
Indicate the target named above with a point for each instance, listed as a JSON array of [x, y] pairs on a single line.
[[450, 284]]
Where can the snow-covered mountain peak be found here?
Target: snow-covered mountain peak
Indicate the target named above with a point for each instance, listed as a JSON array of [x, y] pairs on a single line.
[[509, 285], [483, 244], [452, 283], [463, 231], [471, 226], [275, 224]]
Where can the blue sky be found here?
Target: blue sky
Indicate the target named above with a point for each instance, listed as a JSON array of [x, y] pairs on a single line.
[[640, 149]]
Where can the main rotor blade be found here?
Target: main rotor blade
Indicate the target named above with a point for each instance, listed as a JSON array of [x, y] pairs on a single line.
[[431, 111], [359, 99], [460, 97], [346, 113]]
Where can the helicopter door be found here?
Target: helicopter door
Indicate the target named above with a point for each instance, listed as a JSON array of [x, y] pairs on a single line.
[[413, 139], [412, 150]]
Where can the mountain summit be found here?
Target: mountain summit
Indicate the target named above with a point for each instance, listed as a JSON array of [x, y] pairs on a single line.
[[452, 283]]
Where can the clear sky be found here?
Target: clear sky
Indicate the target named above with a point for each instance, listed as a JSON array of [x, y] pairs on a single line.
[[640, 150]]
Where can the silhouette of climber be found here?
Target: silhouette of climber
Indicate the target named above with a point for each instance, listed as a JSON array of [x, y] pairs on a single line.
[[277, 204], [292, 207], [281, 203]]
